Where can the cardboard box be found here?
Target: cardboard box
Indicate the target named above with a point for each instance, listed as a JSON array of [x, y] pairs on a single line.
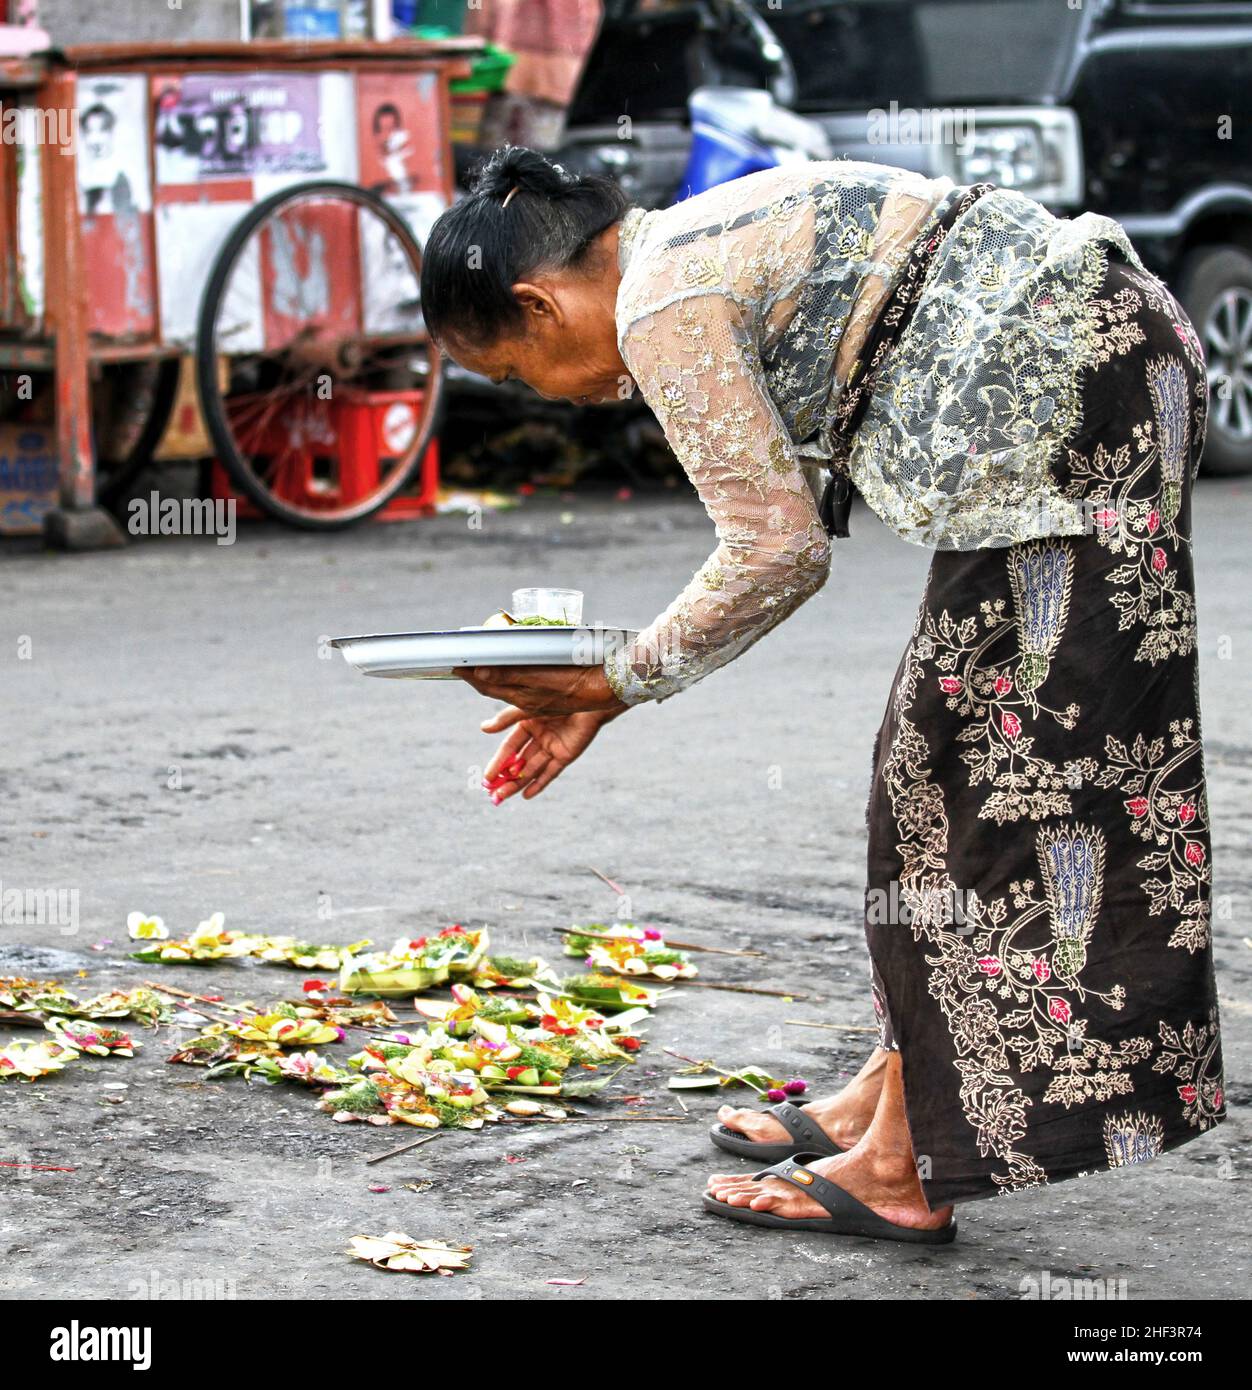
[[29, 478]]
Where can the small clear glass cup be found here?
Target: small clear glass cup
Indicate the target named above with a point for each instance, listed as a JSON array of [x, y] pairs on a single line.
[[557, 605]]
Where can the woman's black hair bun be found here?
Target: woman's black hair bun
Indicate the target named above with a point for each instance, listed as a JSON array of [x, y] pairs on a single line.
[[479, 249], [515, 166]]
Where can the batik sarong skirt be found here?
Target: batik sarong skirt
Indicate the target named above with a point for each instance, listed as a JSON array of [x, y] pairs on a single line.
[[1040, 868]]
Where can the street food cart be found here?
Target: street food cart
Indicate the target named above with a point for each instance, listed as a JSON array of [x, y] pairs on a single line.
[[251, 212]]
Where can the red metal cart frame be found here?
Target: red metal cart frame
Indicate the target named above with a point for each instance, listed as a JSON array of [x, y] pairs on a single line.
[[66, 335]]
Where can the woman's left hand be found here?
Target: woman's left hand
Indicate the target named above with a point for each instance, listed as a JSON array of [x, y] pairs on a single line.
[[542, 690]]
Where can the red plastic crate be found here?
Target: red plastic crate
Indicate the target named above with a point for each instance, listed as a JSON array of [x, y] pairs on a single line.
[[336, 449]]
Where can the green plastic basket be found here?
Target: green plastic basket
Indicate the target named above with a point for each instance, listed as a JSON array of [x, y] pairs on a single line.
[[490, 69]]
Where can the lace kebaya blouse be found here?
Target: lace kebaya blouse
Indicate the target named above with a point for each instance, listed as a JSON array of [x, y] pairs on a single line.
[[740, 314]]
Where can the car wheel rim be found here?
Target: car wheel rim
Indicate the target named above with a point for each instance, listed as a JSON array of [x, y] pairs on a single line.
[[1228, 349]]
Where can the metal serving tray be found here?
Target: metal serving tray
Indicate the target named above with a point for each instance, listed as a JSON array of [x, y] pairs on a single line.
[[434, 656]]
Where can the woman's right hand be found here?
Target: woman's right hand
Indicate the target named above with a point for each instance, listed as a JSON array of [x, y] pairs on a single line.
[[539, 749]]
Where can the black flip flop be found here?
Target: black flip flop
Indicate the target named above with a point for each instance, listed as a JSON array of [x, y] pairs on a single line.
[[806, 1137], [848, 1217]]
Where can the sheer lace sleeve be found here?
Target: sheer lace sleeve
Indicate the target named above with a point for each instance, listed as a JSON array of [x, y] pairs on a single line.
[[695, 363]]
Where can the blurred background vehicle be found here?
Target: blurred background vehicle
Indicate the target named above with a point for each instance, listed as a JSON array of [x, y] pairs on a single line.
[[1134, 108]]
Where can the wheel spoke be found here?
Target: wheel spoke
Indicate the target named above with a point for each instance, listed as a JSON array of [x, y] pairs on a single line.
[[1243, 317], [1242, 396]]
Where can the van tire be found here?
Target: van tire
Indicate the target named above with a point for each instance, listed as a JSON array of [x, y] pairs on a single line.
[[1209, 275]]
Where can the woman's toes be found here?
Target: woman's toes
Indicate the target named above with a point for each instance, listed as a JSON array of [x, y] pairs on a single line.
[[723, 1179], [722, 1185], [762, 1129], [741, 1121], [719, 1184]]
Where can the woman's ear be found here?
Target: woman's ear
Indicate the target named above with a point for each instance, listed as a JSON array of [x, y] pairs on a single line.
[[538, 304]]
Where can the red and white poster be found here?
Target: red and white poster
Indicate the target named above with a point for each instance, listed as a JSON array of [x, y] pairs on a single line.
[[398, 125], [115, 203]]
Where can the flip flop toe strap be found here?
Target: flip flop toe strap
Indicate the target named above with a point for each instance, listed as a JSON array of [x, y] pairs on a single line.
[[802, 1129], [840, 1203]]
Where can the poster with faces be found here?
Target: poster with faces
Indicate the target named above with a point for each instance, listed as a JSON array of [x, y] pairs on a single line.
[[112, 146]]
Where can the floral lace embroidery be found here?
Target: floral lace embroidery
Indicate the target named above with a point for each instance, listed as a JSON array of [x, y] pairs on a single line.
[[1192, 1058], [730, 322], [993, 677], [958, 448], [773, 552], [737, 311], [1144, 527], [1168, 809]]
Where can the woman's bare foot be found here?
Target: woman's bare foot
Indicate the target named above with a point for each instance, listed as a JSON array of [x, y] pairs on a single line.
[[842, 1118], [879, 1171]]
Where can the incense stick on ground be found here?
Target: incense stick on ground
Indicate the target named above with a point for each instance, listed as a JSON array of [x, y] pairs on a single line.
[[743, 989], [240, 1008], [605, 879], [677, 945], [201, 998], [599, 1120], [837, 1027], [182, 994], [404, 1148], [694, 1061]]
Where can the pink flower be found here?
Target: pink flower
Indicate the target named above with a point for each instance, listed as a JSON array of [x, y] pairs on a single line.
[[1194, 853], [1154, 520], [1011, 724], [1188, 1093], [989, 965], [1004, 684], [775, 1095], [1106, 517], [1186, 813], [651, 934], [796, 1087], [1059, 1010], [1219, 1097], [1042, 970], [1138, 807], [950, 685], [1159, 560], [313, 986]]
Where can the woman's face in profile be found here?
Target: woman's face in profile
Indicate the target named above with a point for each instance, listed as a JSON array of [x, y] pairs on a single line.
[[566, 350]]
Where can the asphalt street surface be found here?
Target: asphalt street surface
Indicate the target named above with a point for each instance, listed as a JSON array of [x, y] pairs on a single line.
[[181, 741]]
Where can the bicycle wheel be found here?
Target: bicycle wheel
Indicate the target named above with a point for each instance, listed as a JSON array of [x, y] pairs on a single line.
[[318, 382]]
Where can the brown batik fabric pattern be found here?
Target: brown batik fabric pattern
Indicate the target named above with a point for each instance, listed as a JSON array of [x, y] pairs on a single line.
[[1040, 766]]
